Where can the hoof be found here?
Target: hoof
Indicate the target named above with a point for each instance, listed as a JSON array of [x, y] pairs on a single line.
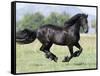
[[47, 56], [51, 57], [76, 54], [66, 59], [55, 59]]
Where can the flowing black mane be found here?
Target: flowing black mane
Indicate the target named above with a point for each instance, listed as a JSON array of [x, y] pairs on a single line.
[[72, 20]]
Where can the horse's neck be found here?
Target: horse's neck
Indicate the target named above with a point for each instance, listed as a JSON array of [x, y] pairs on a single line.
[[76, 28]]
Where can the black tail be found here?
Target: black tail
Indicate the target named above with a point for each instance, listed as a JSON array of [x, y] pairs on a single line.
[[26, 36], [33, 36]]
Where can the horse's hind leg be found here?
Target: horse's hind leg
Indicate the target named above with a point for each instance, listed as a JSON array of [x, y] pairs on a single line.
[[67, 59], [77, 53], [46, 49]]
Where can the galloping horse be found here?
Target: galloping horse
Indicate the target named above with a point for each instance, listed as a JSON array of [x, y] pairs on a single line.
[[67, 35]]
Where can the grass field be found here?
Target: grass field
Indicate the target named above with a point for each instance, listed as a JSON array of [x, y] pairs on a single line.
[[30, 59]]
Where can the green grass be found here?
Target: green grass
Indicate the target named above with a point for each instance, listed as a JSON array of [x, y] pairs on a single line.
[[30, 59]]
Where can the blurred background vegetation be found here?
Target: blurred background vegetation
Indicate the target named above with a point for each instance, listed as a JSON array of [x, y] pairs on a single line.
[[34, 20]]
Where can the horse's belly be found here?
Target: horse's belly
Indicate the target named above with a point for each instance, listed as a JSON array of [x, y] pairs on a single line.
[[59, 40], [60, 43], [63, 40]]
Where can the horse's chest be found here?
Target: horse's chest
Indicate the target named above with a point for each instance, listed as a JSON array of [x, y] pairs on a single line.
[[70, 38]]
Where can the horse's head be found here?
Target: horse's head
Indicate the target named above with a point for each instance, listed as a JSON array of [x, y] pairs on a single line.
[[81, 19], [24, 36], [84, 22]]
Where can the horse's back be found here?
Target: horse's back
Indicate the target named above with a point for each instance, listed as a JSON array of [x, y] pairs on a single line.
[[47, 32], [49, 29], [51, 26]]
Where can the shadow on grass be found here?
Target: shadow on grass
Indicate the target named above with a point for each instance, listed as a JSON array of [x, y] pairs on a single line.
[[79, 64]]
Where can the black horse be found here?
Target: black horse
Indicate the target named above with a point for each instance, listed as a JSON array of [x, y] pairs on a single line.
[[67, 35]]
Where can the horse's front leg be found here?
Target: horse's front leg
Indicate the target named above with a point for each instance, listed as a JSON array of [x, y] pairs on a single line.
[[68, 58], [77, 53]]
